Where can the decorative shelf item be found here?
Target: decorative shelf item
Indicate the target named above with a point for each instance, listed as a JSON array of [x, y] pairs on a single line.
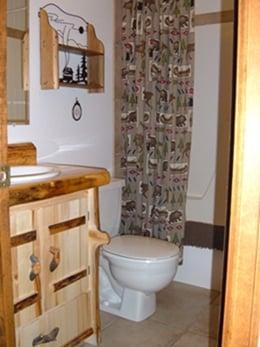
[[71, 54]]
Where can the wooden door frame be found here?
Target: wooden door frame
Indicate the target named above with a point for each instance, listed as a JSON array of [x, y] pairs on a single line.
[[7, 336], [242, 300]]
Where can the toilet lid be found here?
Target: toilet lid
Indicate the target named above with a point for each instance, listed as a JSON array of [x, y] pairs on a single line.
[[139, 247]]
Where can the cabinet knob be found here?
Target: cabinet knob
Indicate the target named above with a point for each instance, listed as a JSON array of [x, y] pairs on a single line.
[[56, 258], [52, 336], [36, 267]]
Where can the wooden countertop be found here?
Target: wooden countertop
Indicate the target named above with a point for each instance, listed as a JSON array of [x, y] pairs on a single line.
[[72, 178]]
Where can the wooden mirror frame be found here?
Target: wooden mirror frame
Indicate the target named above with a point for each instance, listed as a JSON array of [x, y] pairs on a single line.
[[22, 37]]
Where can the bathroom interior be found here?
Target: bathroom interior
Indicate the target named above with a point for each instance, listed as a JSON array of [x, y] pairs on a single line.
[[187, 312]]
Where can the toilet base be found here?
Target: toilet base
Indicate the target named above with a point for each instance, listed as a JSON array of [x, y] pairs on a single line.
[[135, 306]]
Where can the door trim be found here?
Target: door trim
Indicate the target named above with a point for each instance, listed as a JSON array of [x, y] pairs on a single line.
[[7, 336], [241, 311]]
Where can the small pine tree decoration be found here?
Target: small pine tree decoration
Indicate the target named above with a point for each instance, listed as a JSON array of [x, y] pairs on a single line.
[[78, 74], [84, 70]]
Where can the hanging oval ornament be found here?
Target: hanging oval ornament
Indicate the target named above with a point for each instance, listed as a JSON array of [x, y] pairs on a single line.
[[76, 110]]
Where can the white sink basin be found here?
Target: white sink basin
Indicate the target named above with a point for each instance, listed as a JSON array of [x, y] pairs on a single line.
[[29, 173]]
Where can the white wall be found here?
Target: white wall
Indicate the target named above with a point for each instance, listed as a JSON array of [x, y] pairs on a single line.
[[52, 129], [211, 42]]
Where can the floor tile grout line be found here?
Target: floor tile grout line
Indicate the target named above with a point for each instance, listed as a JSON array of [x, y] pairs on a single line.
[[109, 324], [176, 337], [207, 337], [187, 329]]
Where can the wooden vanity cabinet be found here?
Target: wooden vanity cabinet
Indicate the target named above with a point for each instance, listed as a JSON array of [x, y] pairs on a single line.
[[54, 268]]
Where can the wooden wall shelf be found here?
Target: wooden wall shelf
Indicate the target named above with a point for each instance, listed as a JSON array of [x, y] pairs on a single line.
[[50, 48], [78, 50], [91, 86]]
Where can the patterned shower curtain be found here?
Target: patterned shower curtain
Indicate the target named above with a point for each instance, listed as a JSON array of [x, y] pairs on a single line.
[[156, 117]]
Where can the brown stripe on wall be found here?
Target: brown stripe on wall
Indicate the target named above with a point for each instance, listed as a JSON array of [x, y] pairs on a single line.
[[204, 235], [214, 18]]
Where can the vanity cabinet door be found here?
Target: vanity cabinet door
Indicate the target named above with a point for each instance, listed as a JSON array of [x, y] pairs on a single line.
[[63, 229], [26, 267], [54, 245], [66, 325]]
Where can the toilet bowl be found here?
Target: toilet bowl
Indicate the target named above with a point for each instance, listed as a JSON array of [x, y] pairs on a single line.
[[132, 268]]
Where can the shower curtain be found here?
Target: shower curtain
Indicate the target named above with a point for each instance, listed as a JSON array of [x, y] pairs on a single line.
[[156, 116]]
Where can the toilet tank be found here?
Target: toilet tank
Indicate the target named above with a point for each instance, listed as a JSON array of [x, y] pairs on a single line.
[[110, 199]]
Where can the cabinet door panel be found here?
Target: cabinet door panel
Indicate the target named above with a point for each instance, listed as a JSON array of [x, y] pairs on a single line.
[[26, 287], [21, 268], [71, 320], [64, 249], [21, 221]]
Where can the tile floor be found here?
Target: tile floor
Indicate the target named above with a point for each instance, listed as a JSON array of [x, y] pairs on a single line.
[[186, 316]]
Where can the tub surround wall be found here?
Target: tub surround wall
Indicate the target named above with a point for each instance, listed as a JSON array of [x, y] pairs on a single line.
[[202, 267], [208, 181], [56, 135]]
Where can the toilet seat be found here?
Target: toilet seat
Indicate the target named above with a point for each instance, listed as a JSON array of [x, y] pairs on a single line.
[[141, 248]]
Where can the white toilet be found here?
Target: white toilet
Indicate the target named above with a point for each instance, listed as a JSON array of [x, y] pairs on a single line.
[[132, 268]]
